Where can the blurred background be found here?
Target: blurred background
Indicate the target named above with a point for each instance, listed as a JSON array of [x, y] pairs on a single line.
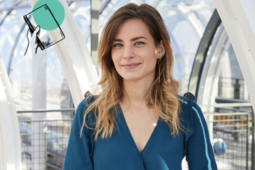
[[194, 28]]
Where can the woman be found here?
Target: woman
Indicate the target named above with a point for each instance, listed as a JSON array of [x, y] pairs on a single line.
[[138, 121]]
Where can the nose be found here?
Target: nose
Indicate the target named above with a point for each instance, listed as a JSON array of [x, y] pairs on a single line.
[[128, 52]]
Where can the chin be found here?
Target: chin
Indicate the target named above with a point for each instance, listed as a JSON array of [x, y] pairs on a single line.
[[130, 78]]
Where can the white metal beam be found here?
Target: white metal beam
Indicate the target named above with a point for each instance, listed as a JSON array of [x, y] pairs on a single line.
[[39, 95], [73, 54], [94, 29], [238, 19], [10, 143]]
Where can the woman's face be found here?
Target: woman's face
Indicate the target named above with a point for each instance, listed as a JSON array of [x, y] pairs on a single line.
[[134, 44]]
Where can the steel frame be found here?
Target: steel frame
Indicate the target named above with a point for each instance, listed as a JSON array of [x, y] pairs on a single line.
[[10, 142], [238, 19]]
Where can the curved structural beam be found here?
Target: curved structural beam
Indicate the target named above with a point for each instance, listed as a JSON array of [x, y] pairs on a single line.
[[13, 48], [8, 13], [201, 54], [211, 72], [10, 147], [104, 6], [238, 19], [191, 18], [73, 54]]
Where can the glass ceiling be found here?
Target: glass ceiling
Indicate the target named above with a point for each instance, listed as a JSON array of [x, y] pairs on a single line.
[[185, 21]]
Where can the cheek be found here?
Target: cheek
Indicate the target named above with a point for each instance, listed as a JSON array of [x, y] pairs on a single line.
[[113, 55], [149, 56], [115, 60]]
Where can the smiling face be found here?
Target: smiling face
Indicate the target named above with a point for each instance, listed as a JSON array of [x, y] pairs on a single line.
[[134, 44]]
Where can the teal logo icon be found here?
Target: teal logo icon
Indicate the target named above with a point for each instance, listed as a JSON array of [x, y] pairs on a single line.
[[48, 15], [44, 19]]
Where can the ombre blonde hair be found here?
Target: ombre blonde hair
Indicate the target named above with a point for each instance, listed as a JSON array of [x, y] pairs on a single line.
[[163, 95]]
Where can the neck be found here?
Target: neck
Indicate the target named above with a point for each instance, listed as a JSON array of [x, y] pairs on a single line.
[[136, 93]]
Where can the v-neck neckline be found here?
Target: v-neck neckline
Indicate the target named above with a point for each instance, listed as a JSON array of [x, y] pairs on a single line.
[[126, 126]]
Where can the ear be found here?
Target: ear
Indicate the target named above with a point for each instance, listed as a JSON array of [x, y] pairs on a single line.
[[161, 48]]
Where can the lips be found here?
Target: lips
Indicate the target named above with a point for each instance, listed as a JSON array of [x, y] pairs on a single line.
[[131, 64]]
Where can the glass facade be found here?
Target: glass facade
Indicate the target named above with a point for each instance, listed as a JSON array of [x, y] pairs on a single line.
[[182, 18], [186, 20]]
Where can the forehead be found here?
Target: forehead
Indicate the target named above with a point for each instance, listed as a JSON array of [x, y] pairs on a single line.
[[133, 28]]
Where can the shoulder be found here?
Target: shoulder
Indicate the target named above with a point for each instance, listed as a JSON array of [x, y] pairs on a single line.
[[88, 99], [186, 101], [83, 105], [191, 111]]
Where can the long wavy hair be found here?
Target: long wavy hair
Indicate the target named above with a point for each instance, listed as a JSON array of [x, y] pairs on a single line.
[[163, 95]]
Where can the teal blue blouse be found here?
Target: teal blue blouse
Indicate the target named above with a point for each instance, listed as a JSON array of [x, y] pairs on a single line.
[[162, 151]]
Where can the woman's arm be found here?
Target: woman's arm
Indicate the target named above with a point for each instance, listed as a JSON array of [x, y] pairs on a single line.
[[200, 155], [79, 149]]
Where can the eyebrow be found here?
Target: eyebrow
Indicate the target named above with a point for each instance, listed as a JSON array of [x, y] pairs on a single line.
[[133, 39]]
